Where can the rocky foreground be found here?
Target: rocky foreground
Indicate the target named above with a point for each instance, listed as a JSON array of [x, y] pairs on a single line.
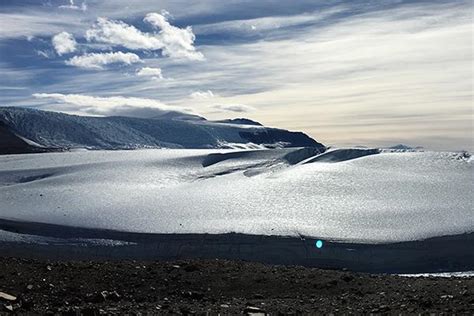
[[218, 286]]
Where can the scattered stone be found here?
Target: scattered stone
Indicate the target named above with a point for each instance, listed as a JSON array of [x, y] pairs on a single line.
[[92, 288], [7, 297], [383, 308], [8, 307], [254, 311]]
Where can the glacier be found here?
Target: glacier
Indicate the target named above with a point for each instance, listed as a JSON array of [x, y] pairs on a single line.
[[350, 195]]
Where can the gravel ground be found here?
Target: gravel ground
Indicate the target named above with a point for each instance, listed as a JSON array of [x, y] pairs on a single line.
[[218, 286]]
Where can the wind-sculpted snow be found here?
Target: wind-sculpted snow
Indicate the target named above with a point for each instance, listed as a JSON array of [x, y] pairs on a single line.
[[343, 154], [58, 130], [375, 198]]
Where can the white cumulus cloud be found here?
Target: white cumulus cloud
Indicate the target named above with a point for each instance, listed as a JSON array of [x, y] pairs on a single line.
[[119, 33], [177, 42], [240, 108], [64, 43], [154, 73], [171, 40], [98, 60]]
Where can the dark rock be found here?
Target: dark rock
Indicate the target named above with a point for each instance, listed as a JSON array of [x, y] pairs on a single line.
[[90, 312], [113, 296], [194, 295], [191, 268], [347, 277], [94, 298]]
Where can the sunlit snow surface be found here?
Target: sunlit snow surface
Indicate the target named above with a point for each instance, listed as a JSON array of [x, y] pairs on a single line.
[[463, 274], [381, 197]]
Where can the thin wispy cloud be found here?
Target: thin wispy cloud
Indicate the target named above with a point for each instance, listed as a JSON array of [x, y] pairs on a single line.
[[239, 108], [44, 54], [72, 6], [202, 94], [116, 105]]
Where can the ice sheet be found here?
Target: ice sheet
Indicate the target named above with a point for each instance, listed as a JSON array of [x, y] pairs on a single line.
[[376, 198]]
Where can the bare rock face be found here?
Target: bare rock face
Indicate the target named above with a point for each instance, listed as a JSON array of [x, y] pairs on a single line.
[[10, 143]]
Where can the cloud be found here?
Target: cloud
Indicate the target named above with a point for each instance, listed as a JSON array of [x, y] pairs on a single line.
[[178, 43], [27, 23], [202, 94], [154, 73], [119, 33], [98, 60], [267, 25], [64, 43], [172, 41], [72, 6], [371, 62], [240, 108], [44, 54], [117, 105]]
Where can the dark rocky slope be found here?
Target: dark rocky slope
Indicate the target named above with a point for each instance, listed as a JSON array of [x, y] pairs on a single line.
[[209, 287], [13, 144]]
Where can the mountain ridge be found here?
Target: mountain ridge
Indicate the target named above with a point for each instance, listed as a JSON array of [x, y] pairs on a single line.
[[60, 131]]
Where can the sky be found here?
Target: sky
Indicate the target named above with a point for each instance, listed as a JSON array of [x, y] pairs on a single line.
[[373, 73]]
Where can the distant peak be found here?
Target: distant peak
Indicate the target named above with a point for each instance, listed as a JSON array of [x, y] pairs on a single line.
[[240, 121], [403, 147], [175, 115]]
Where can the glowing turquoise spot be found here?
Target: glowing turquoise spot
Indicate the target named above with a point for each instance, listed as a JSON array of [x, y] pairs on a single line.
[[319, 244]]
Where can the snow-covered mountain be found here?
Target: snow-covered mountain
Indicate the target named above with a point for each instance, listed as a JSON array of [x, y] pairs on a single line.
[[30, 130]]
